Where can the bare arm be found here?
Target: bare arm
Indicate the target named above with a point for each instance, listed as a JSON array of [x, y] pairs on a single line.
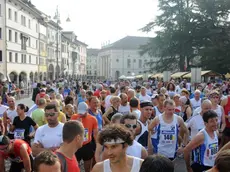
[[144, 153], [98, 167], [37, 148], [5, 121], [63, 120], [105, 115], [184, 130], [2, 127], [223, 122], [225, 147], [189, 112], [153, 124], [195, 142], [2, 163], [25, 158]]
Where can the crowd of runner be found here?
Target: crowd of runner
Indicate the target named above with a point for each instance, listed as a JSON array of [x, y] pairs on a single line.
[[117, 127]]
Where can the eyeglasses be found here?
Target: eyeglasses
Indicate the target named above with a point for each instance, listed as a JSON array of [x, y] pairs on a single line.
[[215, 97], [134, 126], [50, 114]]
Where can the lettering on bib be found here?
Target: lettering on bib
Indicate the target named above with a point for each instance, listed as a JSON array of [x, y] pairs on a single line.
[[19, 134], [86, 135], [212, 150], [168, 136]]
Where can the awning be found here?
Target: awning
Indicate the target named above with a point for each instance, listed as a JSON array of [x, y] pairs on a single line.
[[130, 77], [158, 75], [227, 75], [122, 77], [179, 74], [203, 73], [139, 76]]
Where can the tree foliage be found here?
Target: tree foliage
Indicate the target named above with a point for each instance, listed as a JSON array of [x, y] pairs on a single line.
[[191, 29]]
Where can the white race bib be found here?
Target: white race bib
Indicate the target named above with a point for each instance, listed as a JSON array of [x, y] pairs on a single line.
[[19, 134]]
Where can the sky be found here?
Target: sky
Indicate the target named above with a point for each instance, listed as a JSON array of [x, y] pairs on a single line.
[[98, 22]]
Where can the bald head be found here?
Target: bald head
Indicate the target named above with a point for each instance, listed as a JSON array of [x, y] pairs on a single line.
[[206, 106]]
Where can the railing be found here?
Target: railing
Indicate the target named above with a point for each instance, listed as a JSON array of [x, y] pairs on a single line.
[[21, 93]]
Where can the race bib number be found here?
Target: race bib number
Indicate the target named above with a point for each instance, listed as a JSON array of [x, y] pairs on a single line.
[[213, 149], [168, 136], [86, 135], [19, 133]]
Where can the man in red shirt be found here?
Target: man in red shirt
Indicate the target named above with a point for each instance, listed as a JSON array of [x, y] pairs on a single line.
[[73, 136], [18, 152], [91, 129]]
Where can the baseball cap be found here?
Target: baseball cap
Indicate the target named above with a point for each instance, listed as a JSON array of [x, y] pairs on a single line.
[[82, 108]]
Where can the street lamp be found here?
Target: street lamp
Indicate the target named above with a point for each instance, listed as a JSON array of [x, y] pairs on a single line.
[[58, 22]]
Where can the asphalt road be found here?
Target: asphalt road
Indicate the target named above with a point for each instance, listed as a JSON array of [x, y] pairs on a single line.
[[179, 162]]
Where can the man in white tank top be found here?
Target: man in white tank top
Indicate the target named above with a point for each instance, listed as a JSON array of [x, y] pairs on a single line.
[[167, 130], [136, 149], [116, 139], [206, 144], [9, 115]]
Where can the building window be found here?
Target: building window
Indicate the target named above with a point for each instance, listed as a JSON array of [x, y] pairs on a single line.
[[23, 20], [0, 33], [10, 56], [128, 63], [117, 60], [16, 57], [29, 23], [30, 59], [16, 37], [0, 10], [36, 44], [21, 58], [10, 35], [140, 63], [29, 43], [134, 60], [0, 54], [37, 62], [23, 42], [37, 28], [15, 16], [9, 13], [24, 59]]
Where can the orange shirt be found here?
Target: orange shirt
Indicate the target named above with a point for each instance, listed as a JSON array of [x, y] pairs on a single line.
[[89, 122]]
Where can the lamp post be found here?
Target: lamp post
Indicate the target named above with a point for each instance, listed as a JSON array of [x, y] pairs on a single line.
[[58, 22]]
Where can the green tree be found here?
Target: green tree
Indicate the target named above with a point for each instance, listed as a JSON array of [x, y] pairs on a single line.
[[190, 29]]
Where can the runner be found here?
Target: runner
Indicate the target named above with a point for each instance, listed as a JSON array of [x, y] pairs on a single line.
[[86, 153], [196, 122], [9, 115], [124, 107], [167, 130], [22, 124], [18, 152], [49, 136], [206, 141], [196, 101], [144, 96], [142, 134], [47, 161], [136, 149], [38, 115], [73, 136], [116, 140]]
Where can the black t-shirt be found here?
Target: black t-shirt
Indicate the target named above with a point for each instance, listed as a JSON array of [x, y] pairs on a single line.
[[22, 128]]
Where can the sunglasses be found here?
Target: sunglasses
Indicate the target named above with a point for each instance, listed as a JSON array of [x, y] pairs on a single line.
[[215, 97], [134, 126], [50, 114]]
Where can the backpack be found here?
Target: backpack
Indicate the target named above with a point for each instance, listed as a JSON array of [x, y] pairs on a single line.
[[63, 162]]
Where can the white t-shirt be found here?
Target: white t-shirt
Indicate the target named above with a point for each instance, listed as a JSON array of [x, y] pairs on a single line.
[[49, 137], [124, 109], [195, 103], [2, 109], [195, 123], [144, 98]]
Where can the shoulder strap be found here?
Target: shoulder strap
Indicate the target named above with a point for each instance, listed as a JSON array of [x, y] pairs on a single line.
[[62, 159]]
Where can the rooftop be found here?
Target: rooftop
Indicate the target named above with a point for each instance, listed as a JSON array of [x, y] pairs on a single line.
[[128, 42], [92, 52]]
